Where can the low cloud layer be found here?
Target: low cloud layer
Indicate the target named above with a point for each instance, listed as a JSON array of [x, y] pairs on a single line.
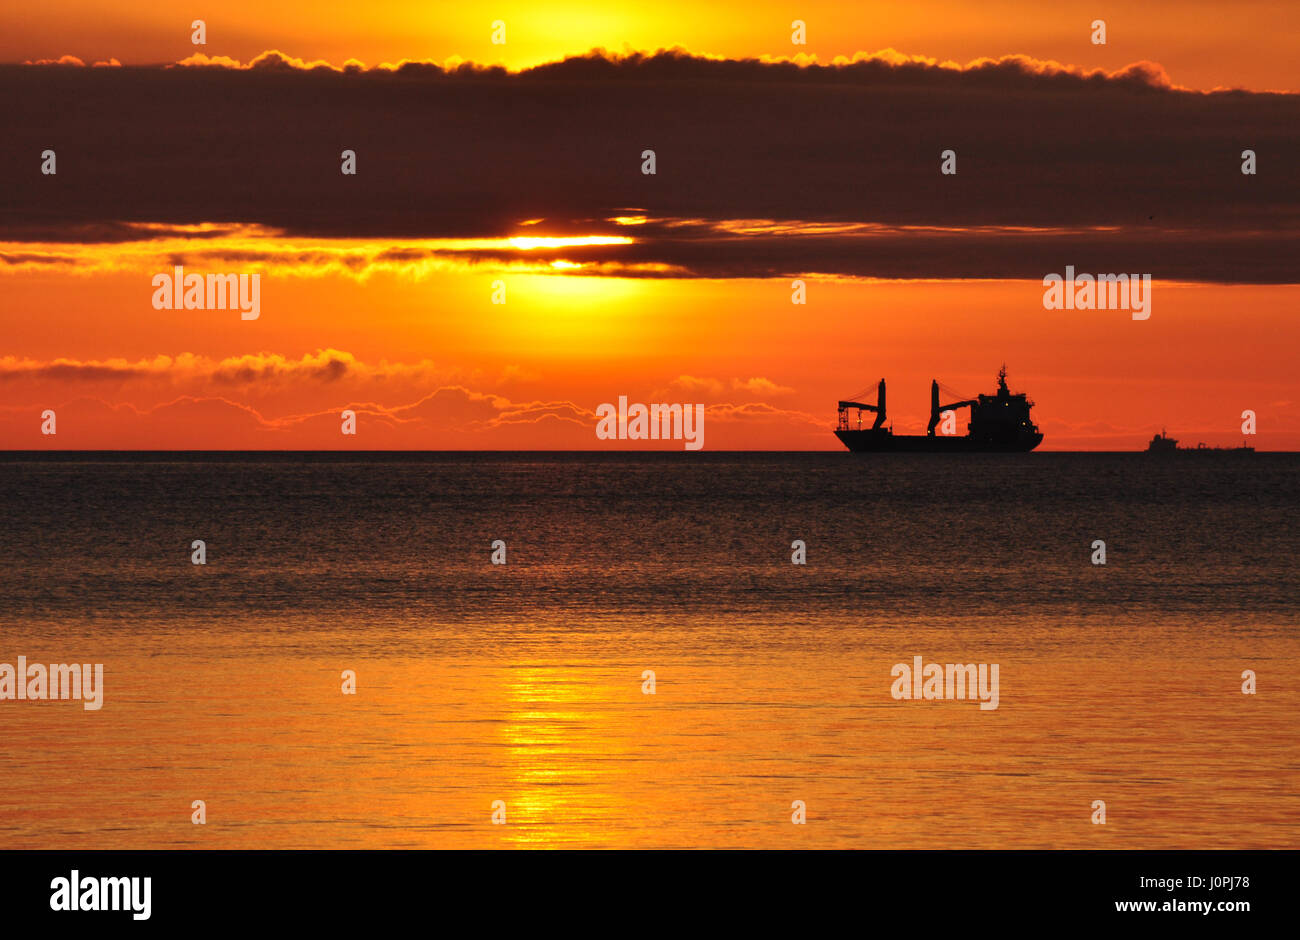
[[1108, 172], [271, 401]]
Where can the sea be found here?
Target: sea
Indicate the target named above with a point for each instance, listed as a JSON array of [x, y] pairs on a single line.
[[649, 667]]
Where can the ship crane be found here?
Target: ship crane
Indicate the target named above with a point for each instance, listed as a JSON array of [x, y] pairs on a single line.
[[937, 410], [878, 408]]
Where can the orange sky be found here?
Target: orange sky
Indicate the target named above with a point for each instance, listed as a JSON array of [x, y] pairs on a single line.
[[429, 362], [425, 358], [1201, 43]]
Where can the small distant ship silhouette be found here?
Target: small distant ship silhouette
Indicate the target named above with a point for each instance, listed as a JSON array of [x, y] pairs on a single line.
[[1163, 444], [999, 423]]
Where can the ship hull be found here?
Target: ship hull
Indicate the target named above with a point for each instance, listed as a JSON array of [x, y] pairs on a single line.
[[866, 441]]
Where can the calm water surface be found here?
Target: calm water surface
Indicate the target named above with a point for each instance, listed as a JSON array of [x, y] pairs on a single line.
[[523, 682]]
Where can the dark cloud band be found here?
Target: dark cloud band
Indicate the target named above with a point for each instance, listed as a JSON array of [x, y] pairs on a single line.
[[471, 153]]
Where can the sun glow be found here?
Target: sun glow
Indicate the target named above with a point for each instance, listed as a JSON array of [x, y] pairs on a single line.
[[528, 242], [273, 252]]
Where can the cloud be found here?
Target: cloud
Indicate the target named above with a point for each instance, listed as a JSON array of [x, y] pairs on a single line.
[[760, 386], [705, 386], [761, 412], [693, 384], [764, 168], [679, 63], [232, 403], [273, 60], [61, 60], [262, 369]]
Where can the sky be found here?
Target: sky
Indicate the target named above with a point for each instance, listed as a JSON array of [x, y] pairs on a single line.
[[1204, 44], [776, 177]]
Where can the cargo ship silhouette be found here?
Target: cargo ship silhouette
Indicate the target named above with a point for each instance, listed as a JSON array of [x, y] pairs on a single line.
[[999, 423]]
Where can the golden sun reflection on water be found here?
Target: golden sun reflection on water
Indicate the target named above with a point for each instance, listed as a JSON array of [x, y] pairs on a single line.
[[582, 758]]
